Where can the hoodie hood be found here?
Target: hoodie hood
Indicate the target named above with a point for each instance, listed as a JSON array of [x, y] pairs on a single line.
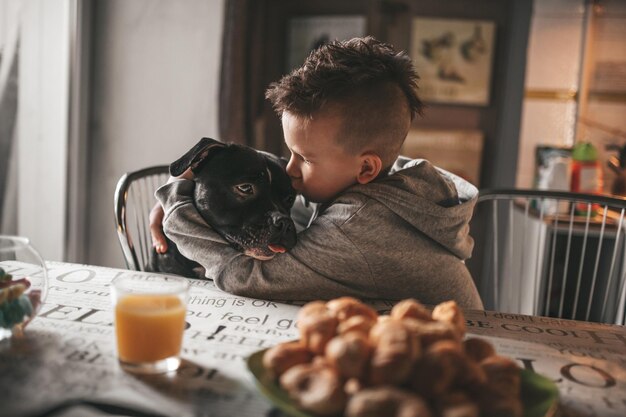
[[436, 202]]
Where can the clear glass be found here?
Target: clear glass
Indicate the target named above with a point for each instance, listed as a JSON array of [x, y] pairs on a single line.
[[150, 315], [23, 285]]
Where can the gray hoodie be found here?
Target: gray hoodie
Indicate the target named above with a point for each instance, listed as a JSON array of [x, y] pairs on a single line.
[[403, 235]]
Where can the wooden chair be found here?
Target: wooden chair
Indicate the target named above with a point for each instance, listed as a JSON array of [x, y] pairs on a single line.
[[551, 253], [134, 198]]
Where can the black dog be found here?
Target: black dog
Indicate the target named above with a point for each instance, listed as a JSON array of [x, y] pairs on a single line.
[[243, 194]]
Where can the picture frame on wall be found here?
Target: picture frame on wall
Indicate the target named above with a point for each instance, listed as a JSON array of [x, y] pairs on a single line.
[[456, 150], [454, 59], [310, 32]]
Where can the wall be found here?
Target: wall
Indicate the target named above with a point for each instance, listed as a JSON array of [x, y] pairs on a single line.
[[42, 124], [606, 101], [154, 93], [568, 41], [553, 76]]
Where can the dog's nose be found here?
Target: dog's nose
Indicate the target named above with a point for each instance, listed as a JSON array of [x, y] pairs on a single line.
[[283, 231], [283, 225]]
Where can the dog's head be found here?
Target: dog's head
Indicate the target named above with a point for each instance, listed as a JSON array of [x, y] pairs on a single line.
[[244, 194]]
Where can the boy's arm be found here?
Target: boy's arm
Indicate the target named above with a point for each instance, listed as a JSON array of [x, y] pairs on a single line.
[[159, 241], [310, 270]]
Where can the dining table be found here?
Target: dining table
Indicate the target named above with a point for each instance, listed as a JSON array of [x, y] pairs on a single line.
[[65, 362]]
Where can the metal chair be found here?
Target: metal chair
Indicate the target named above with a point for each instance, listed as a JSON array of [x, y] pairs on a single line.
[[551, 253], [134, 198]]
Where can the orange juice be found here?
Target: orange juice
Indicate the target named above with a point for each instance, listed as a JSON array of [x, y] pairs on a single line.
[[149, 327]]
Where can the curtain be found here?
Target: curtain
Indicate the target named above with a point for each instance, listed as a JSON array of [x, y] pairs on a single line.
[[8, 119], [243, 78]]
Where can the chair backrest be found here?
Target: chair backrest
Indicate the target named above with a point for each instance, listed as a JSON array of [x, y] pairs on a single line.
[[552, 253], [134, 198]]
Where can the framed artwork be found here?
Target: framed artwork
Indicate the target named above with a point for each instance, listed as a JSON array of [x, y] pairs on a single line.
[[454, 59], [309, 33], [458, 151]]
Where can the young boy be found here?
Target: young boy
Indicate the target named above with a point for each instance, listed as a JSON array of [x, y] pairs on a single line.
[[384, 227]]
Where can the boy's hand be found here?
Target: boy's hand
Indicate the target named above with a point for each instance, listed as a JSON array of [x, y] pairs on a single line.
[[156, 228], [159, 241]]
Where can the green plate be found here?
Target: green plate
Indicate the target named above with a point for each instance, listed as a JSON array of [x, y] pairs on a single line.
[[539, 394]]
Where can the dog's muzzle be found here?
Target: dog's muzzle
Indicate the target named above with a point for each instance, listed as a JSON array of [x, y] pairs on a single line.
[[282, 234]]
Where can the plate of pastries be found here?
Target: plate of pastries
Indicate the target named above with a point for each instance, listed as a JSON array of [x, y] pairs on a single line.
[[351, 361]]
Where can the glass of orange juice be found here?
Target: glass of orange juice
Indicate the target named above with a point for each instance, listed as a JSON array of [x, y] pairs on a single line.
[[149, 321]]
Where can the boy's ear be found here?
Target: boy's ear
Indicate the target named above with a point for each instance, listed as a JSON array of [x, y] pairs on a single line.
[[371, 164]]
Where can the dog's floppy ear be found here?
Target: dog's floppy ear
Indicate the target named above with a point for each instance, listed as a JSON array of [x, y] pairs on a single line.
[[194, 157], [279, 160]]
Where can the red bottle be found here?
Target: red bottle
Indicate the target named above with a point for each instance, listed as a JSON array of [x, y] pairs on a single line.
[[586, 174]]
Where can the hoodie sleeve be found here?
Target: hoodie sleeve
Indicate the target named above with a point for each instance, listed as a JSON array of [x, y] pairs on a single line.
[[324, 263]]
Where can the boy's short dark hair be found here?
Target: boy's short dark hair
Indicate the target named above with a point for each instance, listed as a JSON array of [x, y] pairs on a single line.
[[372, 86]]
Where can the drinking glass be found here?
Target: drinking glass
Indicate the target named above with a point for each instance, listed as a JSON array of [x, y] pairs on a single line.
[[23, 284], [149, 321]]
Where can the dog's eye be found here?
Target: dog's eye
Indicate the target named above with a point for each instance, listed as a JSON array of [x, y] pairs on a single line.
[[246, 189]]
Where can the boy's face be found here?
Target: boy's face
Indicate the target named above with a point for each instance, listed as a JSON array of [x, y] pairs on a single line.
[[319, 167]]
